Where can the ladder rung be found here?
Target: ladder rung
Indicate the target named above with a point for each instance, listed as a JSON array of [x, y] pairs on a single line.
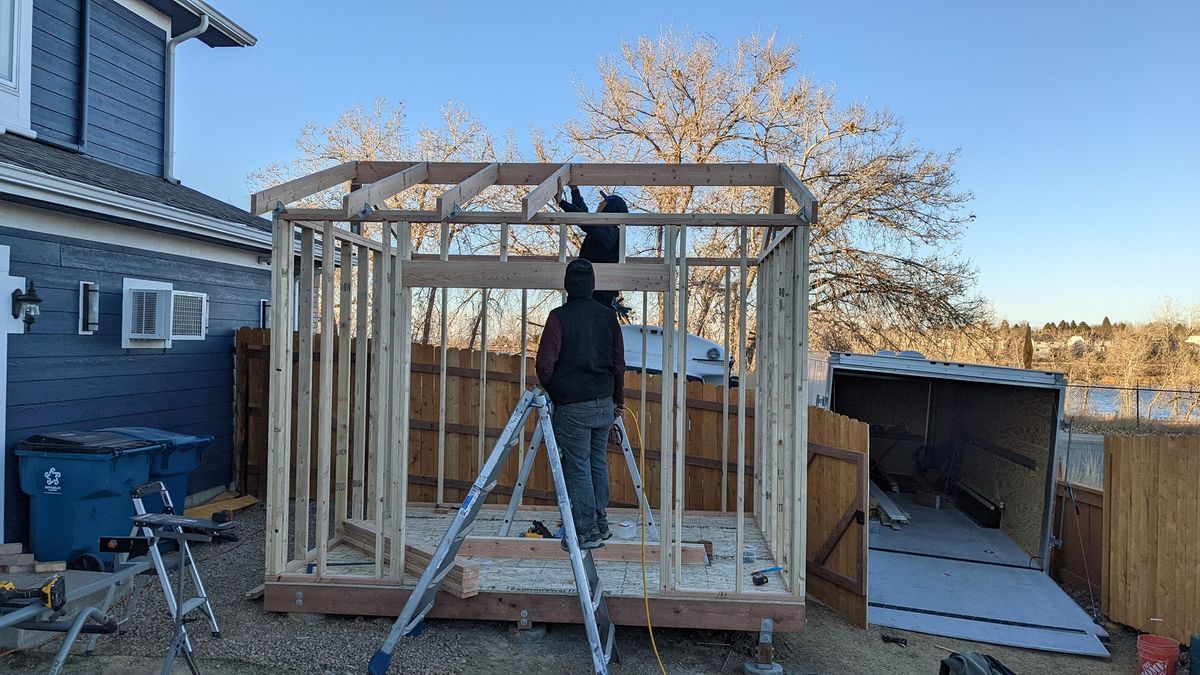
[[190, 605], [597, 596]]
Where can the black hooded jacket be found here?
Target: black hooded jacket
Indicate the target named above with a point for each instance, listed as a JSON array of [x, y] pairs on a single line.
[[581, 356], [601, 243]]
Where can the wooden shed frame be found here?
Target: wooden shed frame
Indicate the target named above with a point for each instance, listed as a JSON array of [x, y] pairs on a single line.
[[362, 467]]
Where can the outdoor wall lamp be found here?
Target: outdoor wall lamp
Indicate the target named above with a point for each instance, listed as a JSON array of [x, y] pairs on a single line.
[[25, 305], [89, 307]]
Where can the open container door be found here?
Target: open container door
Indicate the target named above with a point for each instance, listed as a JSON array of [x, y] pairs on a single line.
[[967, 453]]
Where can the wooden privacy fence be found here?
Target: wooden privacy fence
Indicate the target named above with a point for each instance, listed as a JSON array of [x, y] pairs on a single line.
[[1079, 524], [837, 511], [473, 422], [1151, 571]]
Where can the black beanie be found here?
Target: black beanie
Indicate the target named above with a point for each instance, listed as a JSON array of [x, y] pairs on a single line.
[[580, 279]]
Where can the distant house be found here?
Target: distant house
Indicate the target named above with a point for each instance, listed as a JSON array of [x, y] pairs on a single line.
[[142, 280]]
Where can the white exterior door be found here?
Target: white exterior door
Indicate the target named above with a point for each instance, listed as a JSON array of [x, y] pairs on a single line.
[[8, 326]]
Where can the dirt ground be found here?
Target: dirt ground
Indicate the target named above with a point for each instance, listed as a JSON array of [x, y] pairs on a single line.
[[256, 643]]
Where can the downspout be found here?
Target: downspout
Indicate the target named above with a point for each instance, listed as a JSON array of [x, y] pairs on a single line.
[[169, 95]]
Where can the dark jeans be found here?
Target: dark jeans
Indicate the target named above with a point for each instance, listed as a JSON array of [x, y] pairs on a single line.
[[581, 431]]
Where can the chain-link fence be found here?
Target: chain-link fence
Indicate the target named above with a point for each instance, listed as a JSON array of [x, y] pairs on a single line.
[[1135, 404]]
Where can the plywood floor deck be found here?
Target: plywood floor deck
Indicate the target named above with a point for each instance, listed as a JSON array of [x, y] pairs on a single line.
[[620, 578], [544, 590]]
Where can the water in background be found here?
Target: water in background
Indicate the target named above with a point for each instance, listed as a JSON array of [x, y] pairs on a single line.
[[1125, 403]]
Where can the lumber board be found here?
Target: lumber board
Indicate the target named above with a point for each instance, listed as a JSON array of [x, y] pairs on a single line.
[[545, 191], [777, 220], [704, 613], [11, 549], [550, 549], [370, 196], [452, 201], [461, 582], [800, 193], [305, 186], [599, 174], [50, 566], [526, 275], [231, 504], [16, 559], [887, 505]]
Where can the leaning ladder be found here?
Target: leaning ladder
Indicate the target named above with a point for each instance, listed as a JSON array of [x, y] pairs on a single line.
[[600, 629], [635, 477]]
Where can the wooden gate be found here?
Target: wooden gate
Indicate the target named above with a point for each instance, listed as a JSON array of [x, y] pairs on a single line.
[[837, 513]]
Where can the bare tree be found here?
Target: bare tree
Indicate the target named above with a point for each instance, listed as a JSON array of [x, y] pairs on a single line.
[[884, 256], [381, 133]]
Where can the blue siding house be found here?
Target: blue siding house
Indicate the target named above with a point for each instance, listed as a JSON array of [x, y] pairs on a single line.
[[143, 281]]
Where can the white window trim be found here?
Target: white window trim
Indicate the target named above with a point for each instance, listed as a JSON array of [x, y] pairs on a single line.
[[14, 97]]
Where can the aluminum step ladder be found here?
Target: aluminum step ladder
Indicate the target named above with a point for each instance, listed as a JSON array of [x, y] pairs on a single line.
[[600, 629], [169, 526], [635, 477]]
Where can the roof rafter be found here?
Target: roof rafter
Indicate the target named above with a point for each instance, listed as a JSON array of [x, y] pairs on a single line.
[[452, 200], [545, 191], [294, 190], [369, 196]]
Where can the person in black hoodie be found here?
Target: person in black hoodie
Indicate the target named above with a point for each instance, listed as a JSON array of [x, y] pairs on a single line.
[[601, 243], [581, 365]]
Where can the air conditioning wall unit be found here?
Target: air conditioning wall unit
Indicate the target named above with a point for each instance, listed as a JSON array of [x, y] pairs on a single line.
[[153, 314], [145, 314]]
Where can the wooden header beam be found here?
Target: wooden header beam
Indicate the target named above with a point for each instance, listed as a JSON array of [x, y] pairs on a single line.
[[705, 261], [452, 200], [561, 218], [528, 275], [306, 186], [645, 174], [545, 191], [369, 196]]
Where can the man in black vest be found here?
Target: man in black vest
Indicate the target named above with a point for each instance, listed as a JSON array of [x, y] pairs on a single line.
[[581, 365]]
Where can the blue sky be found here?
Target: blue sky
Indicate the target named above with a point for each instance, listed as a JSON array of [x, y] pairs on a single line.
[[1078, 122]]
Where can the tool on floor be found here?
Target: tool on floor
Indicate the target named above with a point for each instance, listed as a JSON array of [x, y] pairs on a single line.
[[890, 639], [52, 593], [630, 463], [539, 531], [760, 577], [153, 528], [599, 627]]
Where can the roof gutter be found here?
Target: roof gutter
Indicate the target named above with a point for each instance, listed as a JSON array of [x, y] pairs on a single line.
[[169, 112], [37, 186], [240, 36]]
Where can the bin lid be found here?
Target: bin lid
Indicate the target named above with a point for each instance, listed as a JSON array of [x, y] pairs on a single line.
[[84, 443], [170, 439]]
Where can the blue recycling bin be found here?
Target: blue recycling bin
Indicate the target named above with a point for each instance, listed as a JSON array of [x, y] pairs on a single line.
[[79, 486], [178, 457]]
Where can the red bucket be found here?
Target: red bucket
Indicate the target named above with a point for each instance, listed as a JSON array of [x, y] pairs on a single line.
[[1157, 655]]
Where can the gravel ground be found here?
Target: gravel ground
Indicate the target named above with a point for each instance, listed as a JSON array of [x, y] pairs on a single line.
[[255, 642]]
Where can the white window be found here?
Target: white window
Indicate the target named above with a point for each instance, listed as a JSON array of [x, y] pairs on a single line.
[[154, 314], [16, 34], [8, 42]]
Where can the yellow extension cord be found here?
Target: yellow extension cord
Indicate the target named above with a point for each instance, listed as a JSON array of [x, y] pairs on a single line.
[[642, 513]]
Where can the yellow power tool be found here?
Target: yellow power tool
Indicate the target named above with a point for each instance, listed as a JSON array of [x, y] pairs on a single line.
[[52, 593]]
